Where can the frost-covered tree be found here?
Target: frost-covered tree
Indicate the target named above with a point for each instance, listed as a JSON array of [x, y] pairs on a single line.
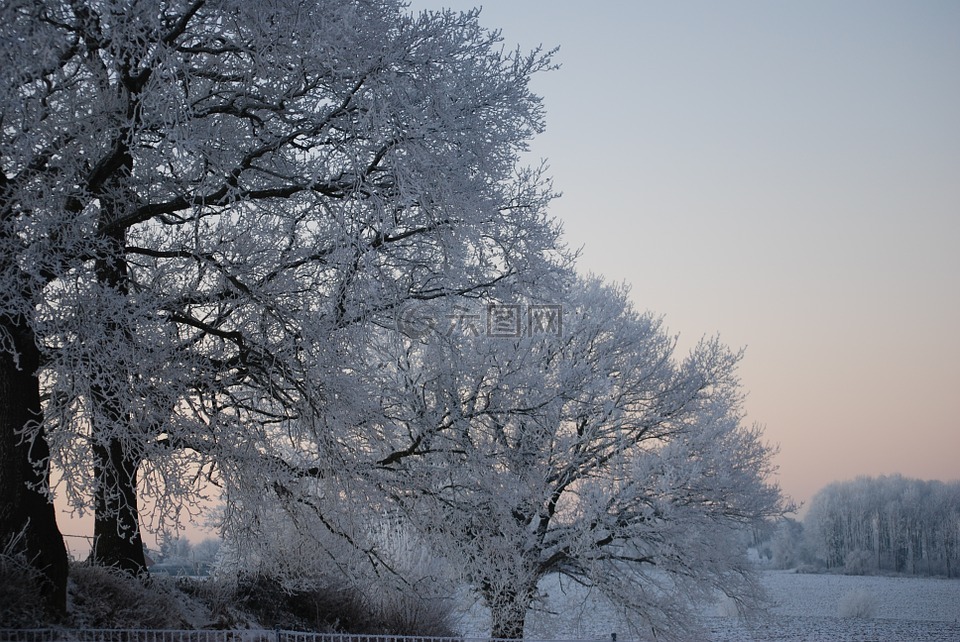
[[787, 544], [203, 200], [588, 450], [27, 521]]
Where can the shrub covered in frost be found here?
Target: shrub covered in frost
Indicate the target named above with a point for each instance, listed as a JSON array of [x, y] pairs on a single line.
[[332, 607], [21, 603], [411, 613], [105, 598], [858, 604]]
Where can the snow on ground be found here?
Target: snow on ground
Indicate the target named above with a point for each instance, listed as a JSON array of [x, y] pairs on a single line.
[[896, 598], [812, 607], [803, 607], [785, 628]]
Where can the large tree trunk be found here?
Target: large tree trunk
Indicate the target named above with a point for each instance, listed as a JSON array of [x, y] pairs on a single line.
[[116, 529], [27, 515], [508, 612]]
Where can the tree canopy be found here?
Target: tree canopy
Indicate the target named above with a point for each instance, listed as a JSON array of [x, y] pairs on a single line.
[[199, 197], [218, 223], [588, 449]]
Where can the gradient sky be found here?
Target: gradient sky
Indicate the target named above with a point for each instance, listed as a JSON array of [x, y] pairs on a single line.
[[785, 175]]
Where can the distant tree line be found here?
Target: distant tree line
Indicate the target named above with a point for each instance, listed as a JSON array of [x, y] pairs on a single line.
[[888, 524]]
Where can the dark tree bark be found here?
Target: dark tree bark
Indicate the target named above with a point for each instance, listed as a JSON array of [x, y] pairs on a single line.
[[27, 515], [116, 530], [508, 609], [117, 541]]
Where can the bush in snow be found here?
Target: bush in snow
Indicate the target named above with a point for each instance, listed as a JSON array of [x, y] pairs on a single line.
[[273, 604], [107, 598], [412, 613], [409, 593], [349, 571], [858, 604], [727, 606], [21, 603]]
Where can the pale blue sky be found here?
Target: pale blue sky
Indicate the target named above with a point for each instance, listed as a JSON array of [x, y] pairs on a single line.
[[786, 175]]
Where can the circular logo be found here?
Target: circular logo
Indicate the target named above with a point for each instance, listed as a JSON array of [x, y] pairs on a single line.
[[416, 320]]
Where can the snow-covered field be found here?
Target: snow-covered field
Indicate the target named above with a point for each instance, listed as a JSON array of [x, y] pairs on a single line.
[[822, 607], [803, 607]]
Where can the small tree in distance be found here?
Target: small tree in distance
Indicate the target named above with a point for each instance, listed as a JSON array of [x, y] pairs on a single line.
[[596, 455]]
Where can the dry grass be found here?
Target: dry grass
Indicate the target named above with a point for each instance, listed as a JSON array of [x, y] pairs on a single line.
[[21, 600], [105, 598]]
